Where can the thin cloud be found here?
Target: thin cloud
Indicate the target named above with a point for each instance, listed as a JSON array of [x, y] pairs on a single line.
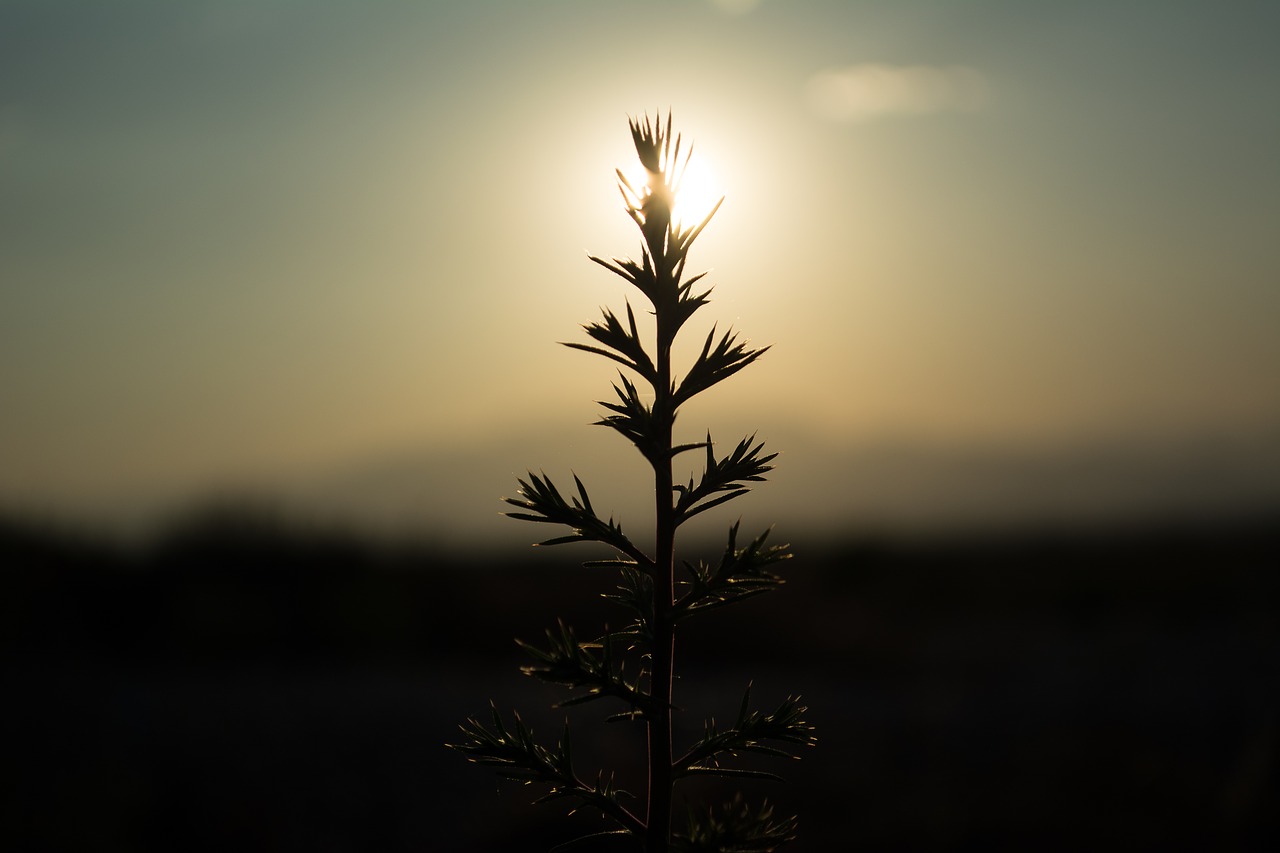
[[873, 91]]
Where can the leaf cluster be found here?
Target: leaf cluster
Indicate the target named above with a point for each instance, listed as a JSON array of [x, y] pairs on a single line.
[[740, 574], [636, 421], [593, 666], [624, 345], [665, 247], [635, 594], [542, 502], [514, 754], [751, 732], [722, 479], [714, 365], [735, 828]]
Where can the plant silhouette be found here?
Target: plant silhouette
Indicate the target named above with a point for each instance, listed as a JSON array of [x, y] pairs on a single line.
[[634, 665]]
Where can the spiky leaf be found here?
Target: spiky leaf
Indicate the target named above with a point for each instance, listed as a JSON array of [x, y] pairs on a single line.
[[723, 479], [740, 574], [735, 828], [542, 502]]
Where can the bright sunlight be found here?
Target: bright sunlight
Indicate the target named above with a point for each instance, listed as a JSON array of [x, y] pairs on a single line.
[[697, 192]]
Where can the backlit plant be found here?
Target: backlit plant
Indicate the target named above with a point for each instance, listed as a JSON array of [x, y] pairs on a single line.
[[633, 666]]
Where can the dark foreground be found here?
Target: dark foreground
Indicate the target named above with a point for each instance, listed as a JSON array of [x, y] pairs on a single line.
[[244, 687]]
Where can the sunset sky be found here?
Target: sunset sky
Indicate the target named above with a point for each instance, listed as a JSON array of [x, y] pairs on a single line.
[[1015, 258]]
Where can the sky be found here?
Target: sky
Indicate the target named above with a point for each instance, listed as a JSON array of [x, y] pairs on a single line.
[[1017, 260]]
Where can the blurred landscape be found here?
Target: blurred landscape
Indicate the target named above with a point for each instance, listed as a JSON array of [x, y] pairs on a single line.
[[244, 682]]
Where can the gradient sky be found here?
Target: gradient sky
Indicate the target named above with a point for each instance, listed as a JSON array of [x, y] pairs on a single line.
[[326, 247]]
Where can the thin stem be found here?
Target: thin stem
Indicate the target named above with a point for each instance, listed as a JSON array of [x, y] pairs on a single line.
[[663, 652]]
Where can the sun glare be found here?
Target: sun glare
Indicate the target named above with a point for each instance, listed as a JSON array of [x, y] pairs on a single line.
[[697, 194], [698, 191]]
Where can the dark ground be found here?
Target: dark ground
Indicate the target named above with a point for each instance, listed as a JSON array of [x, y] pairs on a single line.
[[243, 686]]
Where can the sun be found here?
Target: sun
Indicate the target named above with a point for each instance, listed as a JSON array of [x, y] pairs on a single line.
[[697, 192]]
